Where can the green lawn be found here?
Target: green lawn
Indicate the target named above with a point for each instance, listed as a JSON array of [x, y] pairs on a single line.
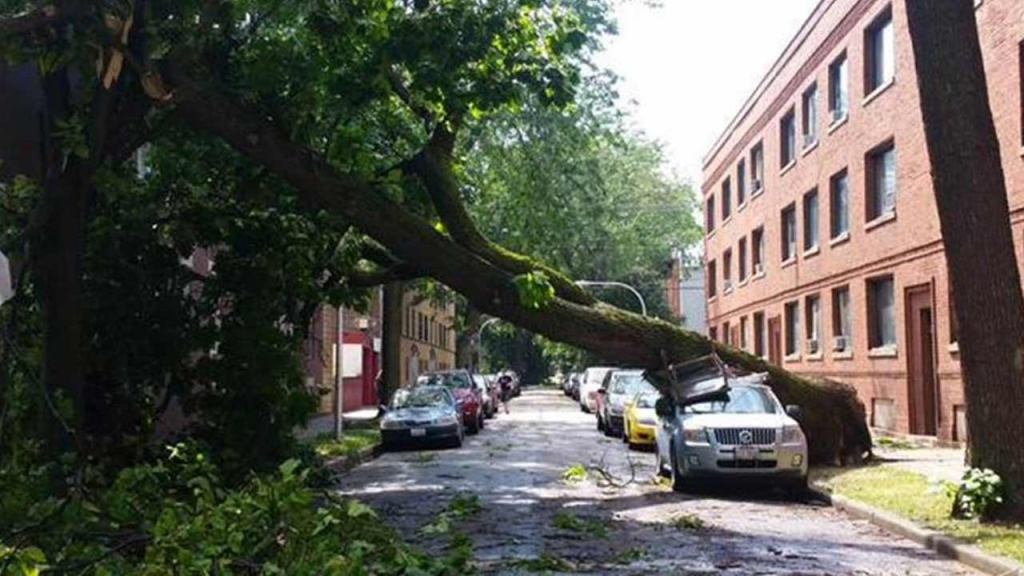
[[355, 440], [911, 496]]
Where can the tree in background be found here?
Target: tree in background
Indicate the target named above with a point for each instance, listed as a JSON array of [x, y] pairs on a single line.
[[585, 193], [970, 193]]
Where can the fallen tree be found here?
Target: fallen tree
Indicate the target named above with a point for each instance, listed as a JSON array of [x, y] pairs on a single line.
[[493, 279], [444, 65]]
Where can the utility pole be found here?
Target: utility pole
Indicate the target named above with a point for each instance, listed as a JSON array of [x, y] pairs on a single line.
[[339, 379]]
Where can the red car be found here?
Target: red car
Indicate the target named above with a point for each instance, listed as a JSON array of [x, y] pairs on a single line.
[[468, 399]]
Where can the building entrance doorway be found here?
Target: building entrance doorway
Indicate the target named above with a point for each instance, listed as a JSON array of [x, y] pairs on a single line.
[[775, 340], [922, 385]]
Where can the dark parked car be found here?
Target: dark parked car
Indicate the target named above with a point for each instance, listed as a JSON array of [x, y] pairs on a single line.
[[468, 398], [421, 414]]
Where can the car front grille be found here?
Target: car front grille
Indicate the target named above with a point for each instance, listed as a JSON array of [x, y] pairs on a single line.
[[414, 423], [732, 436]]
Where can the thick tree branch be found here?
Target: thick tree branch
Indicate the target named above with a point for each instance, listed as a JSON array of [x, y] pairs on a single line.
[[358, 278], [433, 166], [835, 420], [31, 21]]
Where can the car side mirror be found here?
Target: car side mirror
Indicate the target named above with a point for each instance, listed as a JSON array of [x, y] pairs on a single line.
[[664, 408], [795, 412]]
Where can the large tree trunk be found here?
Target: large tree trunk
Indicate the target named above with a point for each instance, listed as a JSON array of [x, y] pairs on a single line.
[[834, 423], [970, 193], [391, 376], [56, 238]]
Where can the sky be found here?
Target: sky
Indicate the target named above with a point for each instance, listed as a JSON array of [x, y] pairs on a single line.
[[687, 66]]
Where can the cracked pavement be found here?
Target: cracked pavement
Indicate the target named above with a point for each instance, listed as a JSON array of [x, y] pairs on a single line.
[[515, 468]]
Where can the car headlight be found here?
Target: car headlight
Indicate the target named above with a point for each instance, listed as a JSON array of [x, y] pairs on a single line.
[[696, 436], [792, 435], [446, 420], [648, 421], [390, 423]]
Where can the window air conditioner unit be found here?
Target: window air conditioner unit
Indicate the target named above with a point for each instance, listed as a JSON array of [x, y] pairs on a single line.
[[839, 343], [756, 185], [838, 115], [809, 140], [812, 346], [758, 269], [727, 285], [363, 323]]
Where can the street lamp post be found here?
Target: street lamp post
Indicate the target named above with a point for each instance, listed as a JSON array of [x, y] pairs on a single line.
[[586, 283], [476, 338]]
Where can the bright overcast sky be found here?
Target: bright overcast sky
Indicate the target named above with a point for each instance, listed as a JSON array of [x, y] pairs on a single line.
[[690, 64]]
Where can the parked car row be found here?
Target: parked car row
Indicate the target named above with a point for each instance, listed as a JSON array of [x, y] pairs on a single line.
[[444, 406], [707, 424]]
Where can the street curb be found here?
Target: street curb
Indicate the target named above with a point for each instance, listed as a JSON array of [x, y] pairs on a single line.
[[937, 541], [347, 462]]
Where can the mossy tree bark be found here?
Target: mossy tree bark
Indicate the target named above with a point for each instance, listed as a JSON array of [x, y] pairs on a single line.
[[485, 274], [970, 193]]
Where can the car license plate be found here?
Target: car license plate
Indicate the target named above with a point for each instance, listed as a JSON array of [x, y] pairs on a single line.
[[418, 432], [746, 453]]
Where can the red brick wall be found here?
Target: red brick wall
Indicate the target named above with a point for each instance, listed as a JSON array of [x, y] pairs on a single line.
[[907, 247]]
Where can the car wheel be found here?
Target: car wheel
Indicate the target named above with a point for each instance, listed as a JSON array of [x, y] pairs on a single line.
[[679, 483], [474, 427]]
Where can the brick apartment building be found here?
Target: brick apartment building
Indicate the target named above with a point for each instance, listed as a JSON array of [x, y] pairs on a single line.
[[428, 334], [823, 246]]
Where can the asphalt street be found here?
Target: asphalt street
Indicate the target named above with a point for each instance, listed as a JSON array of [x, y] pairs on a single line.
[[623, 523]]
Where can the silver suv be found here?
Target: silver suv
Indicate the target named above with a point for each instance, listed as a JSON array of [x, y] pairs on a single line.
[[743, 433]]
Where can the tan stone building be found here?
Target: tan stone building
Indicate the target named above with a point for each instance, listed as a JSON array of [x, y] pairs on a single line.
[[428, 334]]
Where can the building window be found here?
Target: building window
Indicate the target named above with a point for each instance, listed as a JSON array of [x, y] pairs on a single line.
[[757, 242], [713, 332], [726, 200], [811, 219], [726, 334], [789, 233], [881, 313], [880, 57], [881, 178], [712, 279], [756, 168], [813, 324], [709, 215], [809, 115], [792, 328], [841, 320], [760, 335], [787, 139], [743, 333], [741, 182], [839, 88], [743, 259], [839, 204], [727, 270]]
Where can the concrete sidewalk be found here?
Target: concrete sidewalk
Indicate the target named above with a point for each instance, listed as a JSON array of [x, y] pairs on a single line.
[[324, 423], [936, 464]]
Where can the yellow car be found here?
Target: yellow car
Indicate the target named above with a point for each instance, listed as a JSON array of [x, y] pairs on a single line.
[[640, 420]]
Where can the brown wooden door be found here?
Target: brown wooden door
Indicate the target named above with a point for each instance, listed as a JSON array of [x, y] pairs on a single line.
[[775, 340], [922, 387]]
